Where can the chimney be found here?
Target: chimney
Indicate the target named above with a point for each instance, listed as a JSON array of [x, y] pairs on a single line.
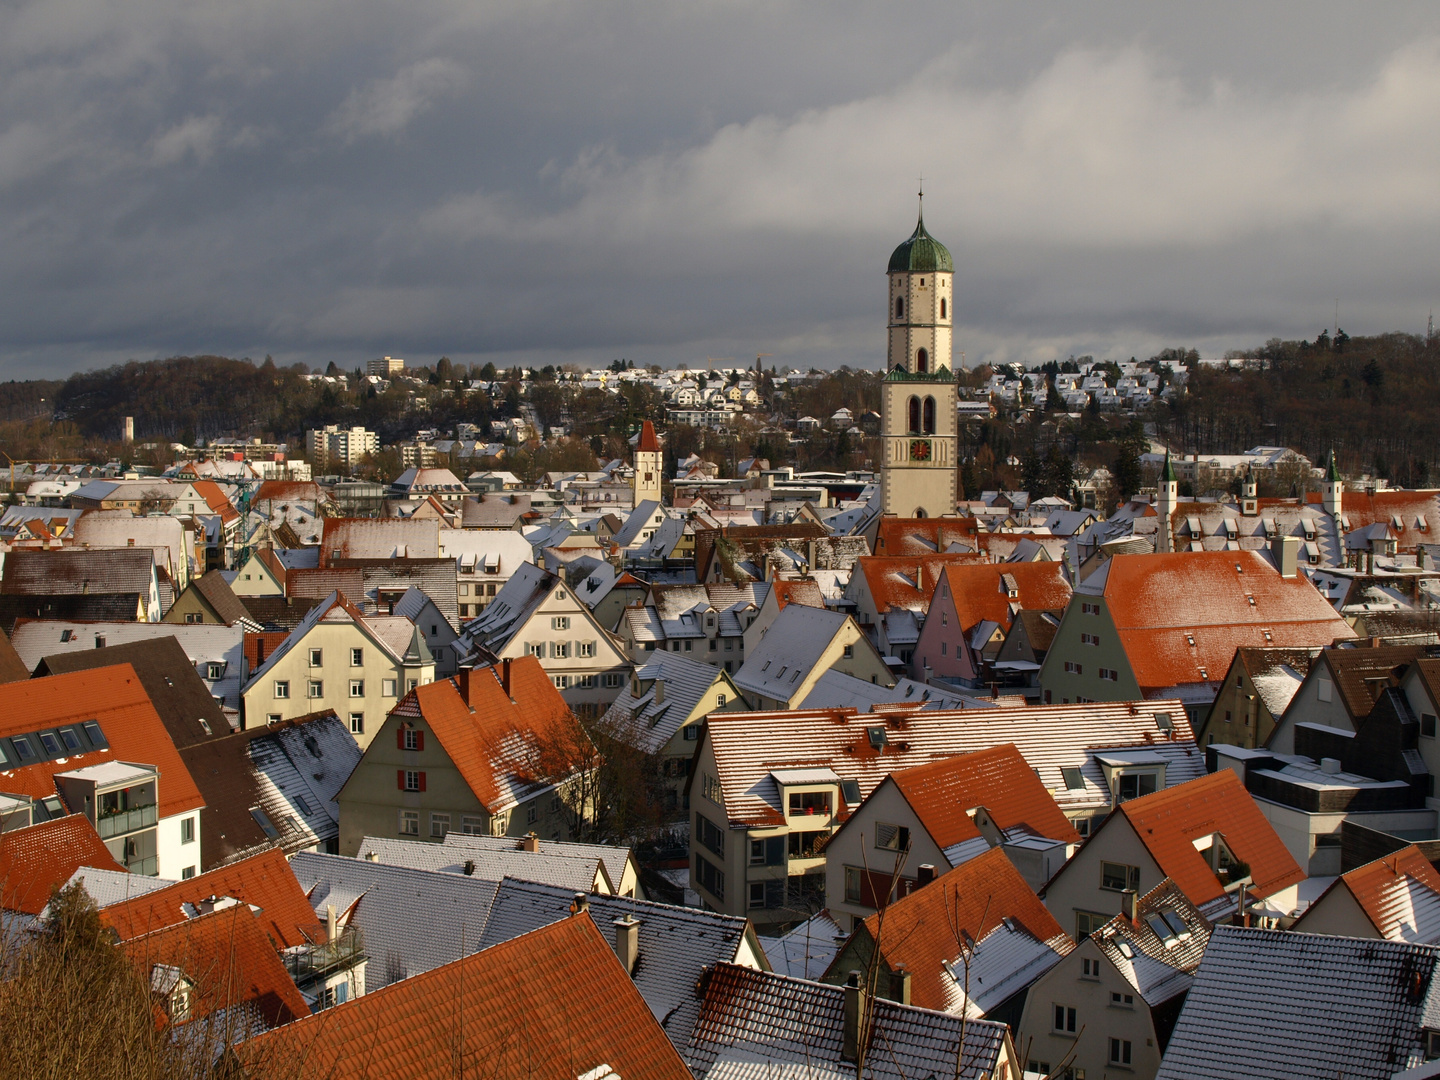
[[505, 678], [1329, 765], [214, 903], [659, 691], [924, 875], [627, 942], [530, 842], [332, 924], [372, 856], [581, 903], [469, 867], [900, 985], [1127, 904], [854, 1018], [1285, 550]]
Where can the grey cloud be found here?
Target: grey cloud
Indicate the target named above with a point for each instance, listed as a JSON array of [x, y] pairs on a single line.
[[557, 181]]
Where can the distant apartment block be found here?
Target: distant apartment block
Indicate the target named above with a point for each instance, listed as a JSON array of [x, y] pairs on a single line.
[[336, 445], [385, 367]]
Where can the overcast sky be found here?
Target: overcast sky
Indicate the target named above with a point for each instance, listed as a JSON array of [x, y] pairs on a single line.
[[547, 182]]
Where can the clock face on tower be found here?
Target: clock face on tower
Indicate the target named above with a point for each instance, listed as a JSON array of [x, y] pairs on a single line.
[[919, 449]]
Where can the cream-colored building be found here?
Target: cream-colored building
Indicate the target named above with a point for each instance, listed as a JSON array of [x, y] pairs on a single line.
[[538, 614], [802, 644], [339, 659], [334, 445], [918, 414], [648, 466]]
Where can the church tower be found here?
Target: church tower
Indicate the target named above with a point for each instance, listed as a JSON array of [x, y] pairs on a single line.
[[918, 419], [647, 465]]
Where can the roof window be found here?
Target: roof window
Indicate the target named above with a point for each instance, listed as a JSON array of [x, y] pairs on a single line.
[[1074, 780], [878, 738]]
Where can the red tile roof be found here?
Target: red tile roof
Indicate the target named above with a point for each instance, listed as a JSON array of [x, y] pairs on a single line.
[[115, 699], [264, 881], [230, 961], [1373, 884], [1159, 602], [1168, 822], [477, 721], [979, 594], [904, 582], [215, 499], [260, 645], [38, 858], [924, 536], [919, 930], [648, 443], [553, 1004], [804, 591], [289, 491], [1409, 507], [998, 779]]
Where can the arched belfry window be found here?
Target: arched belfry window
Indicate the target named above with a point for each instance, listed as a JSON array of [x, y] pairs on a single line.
[[929, 427], [899, 307], [942, 307], [922, 361], [920, 512], [914, 415]]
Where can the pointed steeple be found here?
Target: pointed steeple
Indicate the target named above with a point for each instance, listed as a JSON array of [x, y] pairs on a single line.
[[1167, 474], [1332, 472]]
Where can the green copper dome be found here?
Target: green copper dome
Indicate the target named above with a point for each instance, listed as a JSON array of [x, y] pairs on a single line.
[[921, 253]]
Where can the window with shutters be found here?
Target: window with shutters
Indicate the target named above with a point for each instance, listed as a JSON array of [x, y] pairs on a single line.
[[585, 648], [890, 837], [414, 780], [410, 739], [560, 650], [560, 622]]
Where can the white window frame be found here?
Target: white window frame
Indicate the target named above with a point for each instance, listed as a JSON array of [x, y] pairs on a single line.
[[282, 689]]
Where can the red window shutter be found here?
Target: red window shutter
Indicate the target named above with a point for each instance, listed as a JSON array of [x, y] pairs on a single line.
[[400, 779], [419, 740], [422, 781], [400, 737]]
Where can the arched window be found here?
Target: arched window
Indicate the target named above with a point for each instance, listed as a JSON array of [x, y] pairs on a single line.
[[929, 416], [942, 307], [922, 361], [914, 415], [919, 512], [899, 307]]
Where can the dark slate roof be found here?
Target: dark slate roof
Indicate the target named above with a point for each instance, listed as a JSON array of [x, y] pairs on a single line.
[[70, 607], [759, 1024], [170, 680], [677, 944], [279, 612], [37, 572], [383, 900], [218, 594], [1320, 1007], [290, 771]]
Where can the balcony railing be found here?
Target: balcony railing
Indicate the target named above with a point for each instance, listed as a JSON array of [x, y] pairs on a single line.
[[126, 821], [148, 867], [315, 962]]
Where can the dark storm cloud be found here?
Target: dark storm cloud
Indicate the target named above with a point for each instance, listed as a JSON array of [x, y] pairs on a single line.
[[555, 182]]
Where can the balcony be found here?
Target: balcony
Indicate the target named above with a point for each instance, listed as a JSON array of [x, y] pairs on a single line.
[[126, 821], [317, 962]]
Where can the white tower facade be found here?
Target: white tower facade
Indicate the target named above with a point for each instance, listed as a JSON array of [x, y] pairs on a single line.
[[918, 422], [648, 463]]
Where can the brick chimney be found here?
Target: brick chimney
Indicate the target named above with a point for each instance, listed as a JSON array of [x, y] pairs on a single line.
[[505, 678], [627, 942], [924, 875], [530, 842], [900, 985]]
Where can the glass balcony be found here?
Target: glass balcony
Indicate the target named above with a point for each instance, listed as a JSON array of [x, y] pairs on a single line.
[[126, 821], [311, 963]]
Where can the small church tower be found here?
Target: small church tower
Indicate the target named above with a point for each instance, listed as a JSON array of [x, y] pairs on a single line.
[[647, 465], [1332, 494], [918, 411], [1167, 497]]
